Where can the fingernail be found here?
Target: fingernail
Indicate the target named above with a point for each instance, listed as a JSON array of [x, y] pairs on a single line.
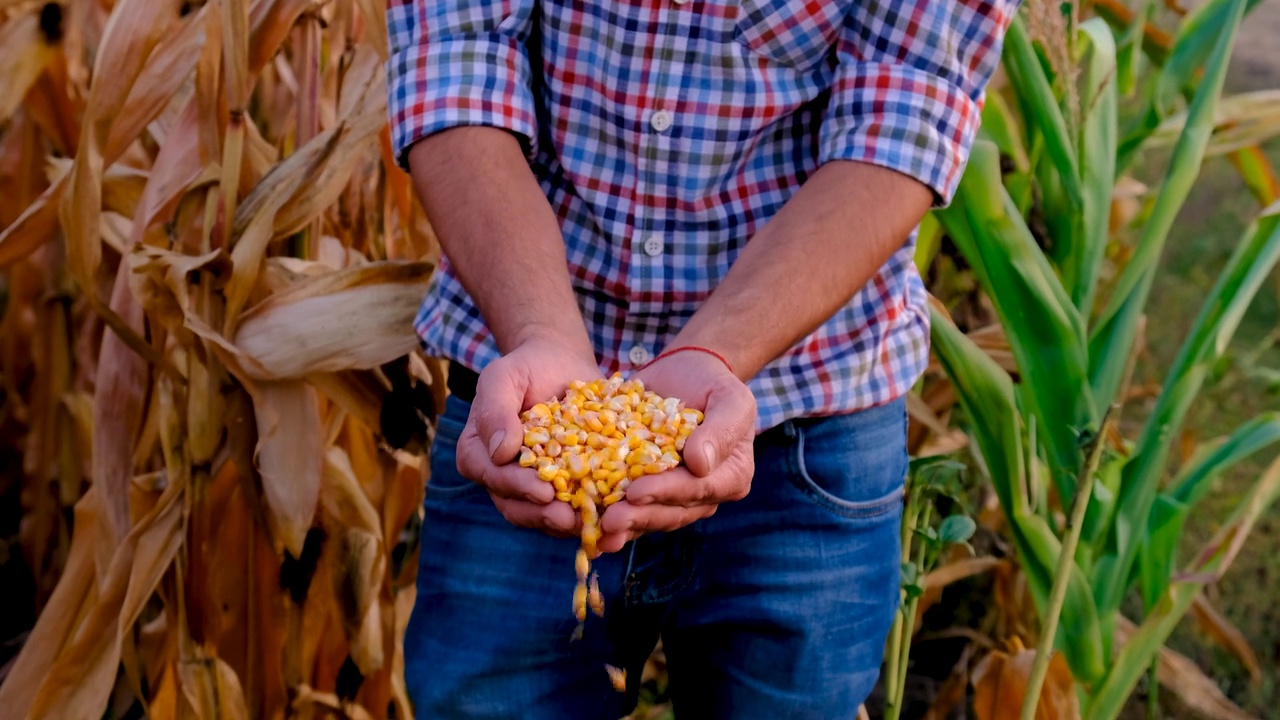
[[642, 500], [496, 441], [709, 452]]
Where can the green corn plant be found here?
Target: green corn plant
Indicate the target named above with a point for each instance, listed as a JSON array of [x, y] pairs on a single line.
[[1073, 339]]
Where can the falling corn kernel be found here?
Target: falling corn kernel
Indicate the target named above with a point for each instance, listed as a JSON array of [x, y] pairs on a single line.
[[590, 445], [580, 601], [617, 676], [594, 597]]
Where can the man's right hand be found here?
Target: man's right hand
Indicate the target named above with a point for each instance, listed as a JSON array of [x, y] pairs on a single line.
[[533, 372]]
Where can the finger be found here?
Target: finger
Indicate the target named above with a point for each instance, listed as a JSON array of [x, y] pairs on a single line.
[[496, 412], [730, 481], [556, 519], [613, 542], [624, 517], [729, 417], [508, 481]]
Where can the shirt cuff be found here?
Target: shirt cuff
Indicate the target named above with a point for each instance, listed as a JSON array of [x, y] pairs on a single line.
[[901, 118], [455, 82]]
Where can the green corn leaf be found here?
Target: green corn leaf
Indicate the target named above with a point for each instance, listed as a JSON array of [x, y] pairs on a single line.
[[1194, 45], [986, 394], [1133, 661], [1113, 336], [1043, 112], [1171, 508], [1098, 137], [1246, 272], [1129, 56], [1045, 331], [1079, 636]]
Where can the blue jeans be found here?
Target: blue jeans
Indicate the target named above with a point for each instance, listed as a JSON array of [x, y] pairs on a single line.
[[775, 607]]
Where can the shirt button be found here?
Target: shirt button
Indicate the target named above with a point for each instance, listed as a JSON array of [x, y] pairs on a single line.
[[638, 355], [661, 120], [653, 246]]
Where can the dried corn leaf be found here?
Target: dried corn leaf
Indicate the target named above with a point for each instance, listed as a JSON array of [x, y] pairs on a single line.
[[212, 690], [34, 227], [1180, 675], [289, 457], [1226, 634], [1000, 683], [356, 318], [79, 683], [57, 623], [24, 53]]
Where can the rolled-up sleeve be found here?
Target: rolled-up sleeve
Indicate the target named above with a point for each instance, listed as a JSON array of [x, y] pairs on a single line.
[[909, 85], [459, 62]]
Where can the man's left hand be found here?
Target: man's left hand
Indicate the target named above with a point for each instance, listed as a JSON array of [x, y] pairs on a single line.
[[719, 457]]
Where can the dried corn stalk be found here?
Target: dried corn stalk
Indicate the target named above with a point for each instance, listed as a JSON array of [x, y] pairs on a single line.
[[208, 272]]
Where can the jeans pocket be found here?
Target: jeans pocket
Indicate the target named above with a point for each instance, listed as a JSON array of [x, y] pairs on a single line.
[[853, 465], [794, 33], [445, 481]]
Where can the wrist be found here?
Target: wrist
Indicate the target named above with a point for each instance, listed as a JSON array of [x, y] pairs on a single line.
[[564, 342], [676, 349]]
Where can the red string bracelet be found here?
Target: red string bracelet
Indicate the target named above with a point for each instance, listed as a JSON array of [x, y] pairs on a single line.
[[690, 348]]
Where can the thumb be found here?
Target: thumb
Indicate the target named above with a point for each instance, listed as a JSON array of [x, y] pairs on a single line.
[[730, 414], [496, 413]]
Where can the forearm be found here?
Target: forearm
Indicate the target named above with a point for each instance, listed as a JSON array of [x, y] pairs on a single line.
[[824, 245], [500, 234]]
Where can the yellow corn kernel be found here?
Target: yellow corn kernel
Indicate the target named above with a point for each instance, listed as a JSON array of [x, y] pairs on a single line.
[[612, 498], [594, 597], [553, 448], [582, 564], [617, 677], [527, 458], [560, 484], [536, 436], [564, 497], [635, 471], [616, 477], [590, 536], [578, 466], [580, 601], [547, 473]]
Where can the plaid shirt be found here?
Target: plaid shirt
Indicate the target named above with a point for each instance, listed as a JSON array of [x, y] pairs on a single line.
[[666, 132]]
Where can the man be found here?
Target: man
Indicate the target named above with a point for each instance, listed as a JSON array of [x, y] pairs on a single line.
[[730, 187]]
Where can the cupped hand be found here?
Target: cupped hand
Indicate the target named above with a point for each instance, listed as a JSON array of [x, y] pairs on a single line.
[[531, 373], [719, 457]]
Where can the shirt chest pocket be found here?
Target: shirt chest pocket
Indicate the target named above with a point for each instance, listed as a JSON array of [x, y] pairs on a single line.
[[794, 33]]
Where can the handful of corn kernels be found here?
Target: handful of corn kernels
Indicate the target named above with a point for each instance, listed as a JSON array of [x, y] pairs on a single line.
[[591, 444]]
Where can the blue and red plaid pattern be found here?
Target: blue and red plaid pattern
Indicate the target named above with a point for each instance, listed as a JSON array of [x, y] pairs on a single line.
[[665, 132]]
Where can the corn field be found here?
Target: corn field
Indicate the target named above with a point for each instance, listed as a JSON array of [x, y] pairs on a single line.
[[211, 274]]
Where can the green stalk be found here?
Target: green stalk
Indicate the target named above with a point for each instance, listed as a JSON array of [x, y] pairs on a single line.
[[909, 615], [1066, 561], [894, 684]]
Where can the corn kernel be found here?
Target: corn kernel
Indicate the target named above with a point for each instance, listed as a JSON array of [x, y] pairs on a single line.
[[580, 601], [591, 444], [594, 597]]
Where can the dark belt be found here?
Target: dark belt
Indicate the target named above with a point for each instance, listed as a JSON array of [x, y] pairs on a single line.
[[462, 382]]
